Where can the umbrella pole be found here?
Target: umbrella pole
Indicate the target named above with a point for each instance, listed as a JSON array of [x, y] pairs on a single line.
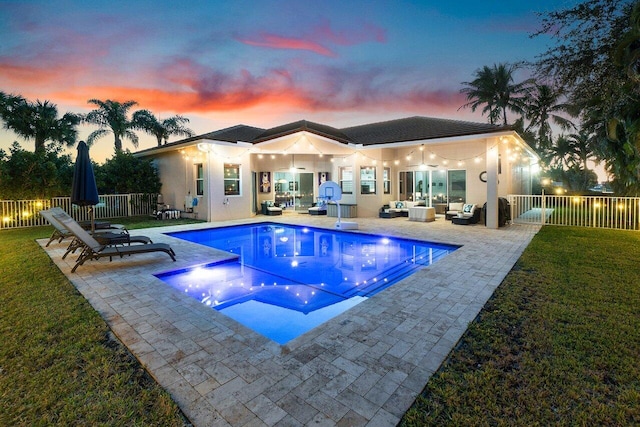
[[93, 219]]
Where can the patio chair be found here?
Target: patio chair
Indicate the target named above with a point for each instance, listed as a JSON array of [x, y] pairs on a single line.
[[92, 249]]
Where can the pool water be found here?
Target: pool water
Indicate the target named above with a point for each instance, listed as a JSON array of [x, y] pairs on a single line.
[[285, 280]]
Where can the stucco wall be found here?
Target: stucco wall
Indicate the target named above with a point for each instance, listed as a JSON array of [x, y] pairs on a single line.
[[316, 154]]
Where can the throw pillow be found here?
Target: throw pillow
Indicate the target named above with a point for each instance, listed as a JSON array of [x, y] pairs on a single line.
[[468, 208], [399, 205]]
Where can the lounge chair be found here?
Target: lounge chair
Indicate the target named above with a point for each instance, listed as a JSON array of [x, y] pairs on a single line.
[[60, 232], [115, 236], [92, 249]]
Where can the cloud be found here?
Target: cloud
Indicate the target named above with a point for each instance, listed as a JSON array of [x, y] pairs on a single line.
[[190, 87], [278, 42], [354, 35], [319, 38]]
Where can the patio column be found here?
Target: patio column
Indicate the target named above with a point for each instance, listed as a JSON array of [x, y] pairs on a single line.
[[491, 214]]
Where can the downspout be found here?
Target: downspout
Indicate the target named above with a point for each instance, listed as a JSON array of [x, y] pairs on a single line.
[[209, 189], [491, 213]]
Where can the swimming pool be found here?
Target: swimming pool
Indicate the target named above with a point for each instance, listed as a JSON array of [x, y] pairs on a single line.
[[285, 279]]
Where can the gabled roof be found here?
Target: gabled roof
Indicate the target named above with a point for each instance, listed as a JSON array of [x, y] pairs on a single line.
[[415, 128], [299, 126]]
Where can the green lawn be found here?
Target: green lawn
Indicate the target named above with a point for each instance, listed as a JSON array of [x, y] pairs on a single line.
[[58, 362], [558, 344]]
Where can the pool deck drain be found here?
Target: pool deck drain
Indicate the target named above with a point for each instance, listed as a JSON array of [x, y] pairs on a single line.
[[362, 368]]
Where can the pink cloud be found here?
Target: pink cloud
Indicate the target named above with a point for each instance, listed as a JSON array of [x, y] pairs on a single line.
[[278, 42], [319, 38]]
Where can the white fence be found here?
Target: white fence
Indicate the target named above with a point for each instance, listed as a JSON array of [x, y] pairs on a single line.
[[621, 213], [24, 213]]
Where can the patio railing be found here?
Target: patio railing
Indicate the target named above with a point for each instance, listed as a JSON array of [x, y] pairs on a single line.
[[24, 213], [621, 213]]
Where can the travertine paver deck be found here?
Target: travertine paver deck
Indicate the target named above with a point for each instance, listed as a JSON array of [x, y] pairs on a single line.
[[364, 367]]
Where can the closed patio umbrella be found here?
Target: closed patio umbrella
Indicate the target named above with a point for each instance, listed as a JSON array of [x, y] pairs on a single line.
[[84, 191]]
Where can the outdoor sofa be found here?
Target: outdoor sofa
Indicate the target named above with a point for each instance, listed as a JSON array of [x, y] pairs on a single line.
[[397, 208]]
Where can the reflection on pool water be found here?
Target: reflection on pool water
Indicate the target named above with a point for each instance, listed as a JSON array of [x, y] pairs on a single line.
[[286, 279]]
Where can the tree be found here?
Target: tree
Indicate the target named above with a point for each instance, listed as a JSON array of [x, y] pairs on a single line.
[[561, 154], [125, 173], [162, 130], [494, 86], [111, 116], [581, 143], [38, 121], [35, 175], [544, 108], [591, 65]]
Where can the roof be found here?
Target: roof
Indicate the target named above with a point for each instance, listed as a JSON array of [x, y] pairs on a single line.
[[408, 129], [299, 126], [416, 128], [231, 134]]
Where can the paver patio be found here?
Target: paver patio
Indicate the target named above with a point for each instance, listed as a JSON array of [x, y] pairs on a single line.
[[364, 367]]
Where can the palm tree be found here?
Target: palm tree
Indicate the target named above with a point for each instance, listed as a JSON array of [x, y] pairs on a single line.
[[494, 87], [111, 116], [582, 143], [162, 130], [562, 154], [38, 121], [543, 108]]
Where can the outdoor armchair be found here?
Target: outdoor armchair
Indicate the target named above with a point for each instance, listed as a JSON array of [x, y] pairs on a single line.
[[93, 249]]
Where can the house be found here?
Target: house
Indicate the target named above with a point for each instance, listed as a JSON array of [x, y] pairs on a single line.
[[230, 172]]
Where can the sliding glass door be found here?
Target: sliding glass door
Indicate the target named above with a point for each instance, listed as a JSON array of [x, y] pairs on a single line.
[[435, 187], [294, 190]]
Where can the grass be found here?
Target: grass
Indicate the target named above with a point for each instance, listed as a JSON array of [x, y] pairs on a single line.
[[557, 344], [59, 363]]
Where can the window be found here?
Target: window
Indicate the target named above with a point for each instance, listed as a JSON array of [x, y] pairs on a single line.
[[386, 180], [367, 180], [405, 186], [346, 179], [457, 185], [199, 180], [231, 180]]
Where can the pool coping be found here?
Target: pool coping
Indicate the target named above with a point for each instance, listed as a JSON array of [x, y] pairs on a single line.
[[364, 367]]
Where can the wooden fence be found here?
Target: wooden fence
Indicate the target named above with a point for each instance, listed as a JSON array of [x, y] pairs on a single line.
[[24, 213], [621, 213]]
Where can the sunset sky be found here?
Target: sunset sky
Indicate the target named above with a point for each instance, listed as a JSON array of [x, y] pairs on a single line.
[[260, 63]]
